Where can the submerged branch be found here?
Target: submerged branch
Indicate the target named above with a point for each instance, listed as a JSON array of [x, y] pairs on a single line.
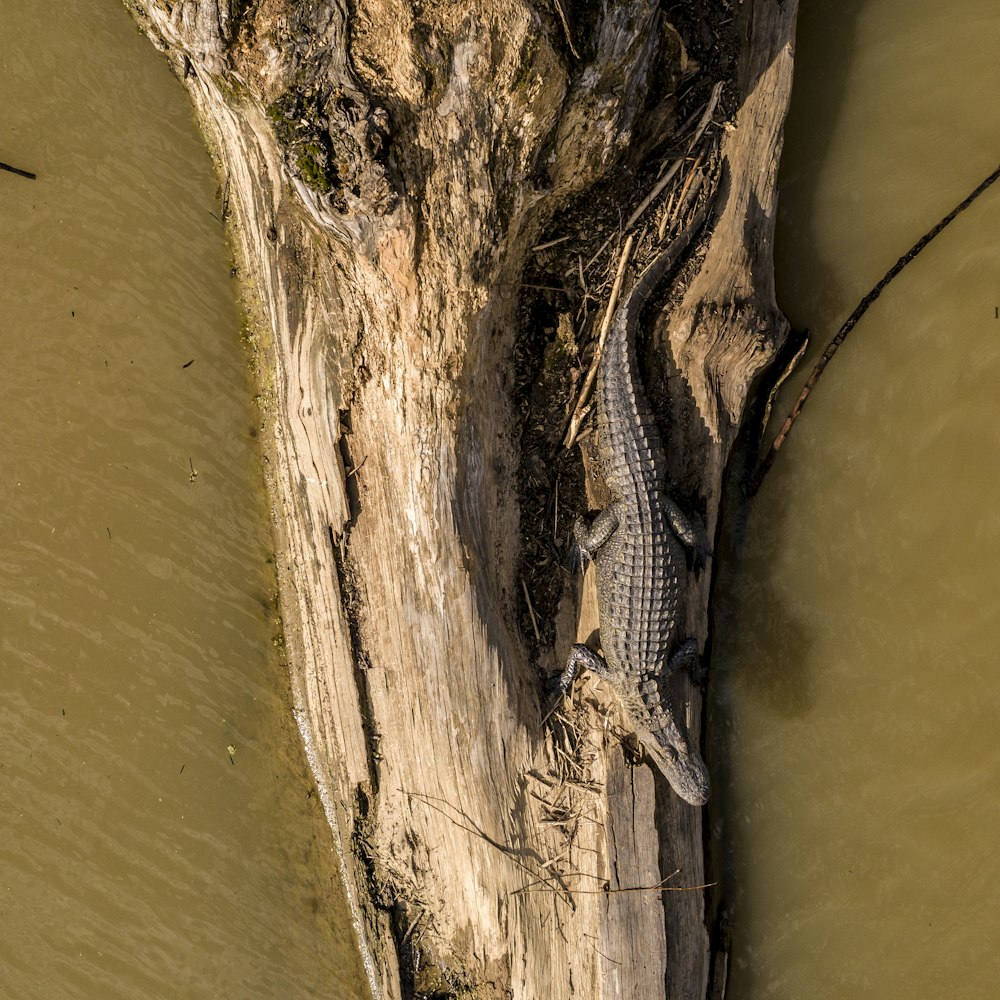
[[17, 170], [852, 321]]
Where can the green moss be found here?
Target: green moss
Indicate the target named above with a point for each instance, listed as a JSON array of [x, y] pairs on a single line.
[[278, 639], [433, 55], [526, 72], [301, 128], [310, 163]]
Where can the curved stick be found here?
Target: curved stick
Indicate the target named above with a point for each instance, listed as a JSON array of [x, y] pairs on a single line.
[[852, 321]]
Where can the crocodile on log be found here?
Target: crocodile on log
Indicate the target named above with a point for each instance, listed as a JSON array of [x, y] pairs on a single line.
[[636, 545]]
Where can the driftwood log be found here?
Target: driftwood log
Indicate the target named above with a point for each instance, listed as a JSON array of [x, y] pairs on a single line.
[[424, 200]]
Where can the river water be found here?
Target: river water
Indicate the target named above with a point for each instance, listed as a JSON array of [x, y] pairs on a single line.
[[159, 833], [856, 693]]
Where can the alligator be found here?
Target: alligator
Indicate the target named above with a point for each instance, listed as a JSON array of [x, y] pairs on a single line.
[[636, 543]]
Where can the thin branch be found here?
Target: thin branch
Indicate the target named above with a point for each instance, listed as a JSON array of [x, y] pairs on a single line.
[[551, 243], [656, 192], [531, 610], [607, 890], [565, 23], [471, 827], [577, 418], [18, 171], [703, 124], [706, 118], [852, 321]]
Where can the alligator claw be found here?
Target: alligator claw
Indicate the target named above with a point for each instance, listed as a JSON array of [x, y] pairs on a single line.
[[555, 685], [577, 558], [698, 672], [698, 554], [557, 688]]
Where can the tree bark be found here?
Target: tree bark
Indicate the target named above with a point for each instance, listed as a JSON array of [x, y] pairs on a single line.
[[390, 167]]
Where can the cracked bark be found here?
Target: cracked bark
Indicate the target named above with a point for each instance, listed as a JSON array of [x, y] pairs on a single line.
[[390, 166]]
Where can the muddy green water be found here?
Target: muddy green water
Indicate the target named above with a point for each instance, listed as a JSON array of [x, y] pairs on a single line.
[[138, 858], [856, 692]]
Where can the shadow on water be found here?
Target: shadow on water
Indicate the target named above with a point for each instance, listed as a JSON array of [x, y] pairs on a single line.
[[759, 647], [817, 105]]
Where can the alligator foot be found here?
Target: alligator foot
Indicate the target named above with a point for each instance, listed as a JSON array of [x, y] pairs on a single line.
[[580, 656], [685, 657], [692, 539], [663, 737], [681, 524], [576, 558]]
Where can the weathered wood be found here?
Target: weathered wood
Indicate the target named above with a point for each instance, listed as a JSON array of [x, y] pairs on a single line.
[[390, 170]]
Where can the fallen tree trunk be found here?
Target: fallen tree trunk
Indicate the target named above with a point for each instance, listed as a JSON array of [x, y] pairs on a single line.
[[394, 174]]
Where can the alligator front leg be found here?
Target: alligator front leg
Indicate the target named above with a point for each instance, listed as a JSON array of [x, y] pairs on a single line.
[[581, 656], [685, 657]]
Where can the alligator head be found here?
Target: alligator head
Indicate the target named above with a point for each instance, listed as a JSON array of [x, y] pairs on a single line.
[[679, 762]]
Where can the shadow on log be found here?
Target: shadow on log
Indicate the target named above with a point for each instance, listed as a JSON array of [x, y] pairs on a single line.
[[395, 174]]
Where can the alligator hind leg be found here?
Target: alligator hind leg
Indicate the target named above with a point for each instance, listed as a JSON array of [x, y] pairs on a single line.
[[682, 527], [692, 539], [600, 530], [685, 657]]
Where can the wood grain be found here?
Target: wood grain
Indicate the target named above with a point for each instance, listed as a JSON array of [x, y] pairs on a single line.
[[383, 313]]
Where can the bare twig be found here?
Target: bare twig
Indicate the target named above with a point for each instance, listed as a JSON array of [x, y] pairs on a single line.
[[531, 610], [606, 889], [565, 23], [655, 193], [604, 246], [413, 923], [692, 142], [668, 214], [555, 513], [551, 243], [706, 115], [577, 418], [691, 188], [607, 958], [544, 779], [18, 171], [547, 864], [789, 368], [470, 826], [706, 118]]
